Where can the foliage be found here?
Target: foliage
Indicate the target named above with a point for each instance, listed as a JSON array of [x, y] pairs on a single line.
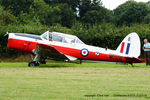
[[96, 16], [6, 17], [67, 15], [131, 12], [72, 3], [87, 5], [92, 12], [16, 6], [147, 19], [49, 15]]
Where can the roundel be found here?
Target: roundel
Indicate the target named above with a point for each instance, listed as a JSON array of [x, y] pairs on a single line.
[[84, 52]]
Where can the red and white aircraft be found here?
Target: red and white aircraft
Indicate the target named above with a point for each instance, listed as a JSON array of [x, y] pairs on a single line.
[[70, 47]]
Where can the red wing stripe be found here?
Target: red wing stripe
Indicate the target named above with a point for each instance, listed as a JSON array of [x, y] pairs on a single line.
[[122, 47]]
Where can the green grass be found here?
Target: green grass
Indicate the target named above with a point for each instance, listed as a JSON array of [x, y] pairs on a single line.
[[69, 81]]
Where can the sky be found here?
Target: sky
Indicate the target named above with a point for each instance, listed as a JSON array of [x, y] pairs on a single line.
[[112, 4]]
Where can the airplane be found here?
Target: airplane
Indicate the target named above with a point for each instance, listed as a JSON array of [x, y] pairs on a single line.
[[71, 48]]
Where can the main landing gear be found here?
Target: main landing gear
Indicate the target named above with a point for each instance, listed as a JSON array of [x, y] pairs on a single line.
[[33, 63], [80, 61], [37, 61], [131, 64], [43, 62]]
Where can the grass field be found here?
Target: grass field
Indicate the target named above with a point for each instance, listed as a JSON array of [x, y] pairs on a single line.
[[68, 81]]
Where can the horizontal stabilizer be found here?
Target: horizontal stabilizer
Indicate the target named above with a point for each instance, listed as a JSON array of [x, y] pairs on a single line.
[[135, 60]]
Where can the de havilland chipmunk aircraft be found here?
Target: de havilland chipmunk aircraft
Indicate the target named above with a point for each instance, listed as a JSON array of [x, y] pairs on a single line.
[[70, 47]]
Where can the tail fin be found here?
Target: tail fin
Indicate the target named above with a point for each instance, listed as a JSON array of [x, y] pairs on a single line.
[[130, 46]]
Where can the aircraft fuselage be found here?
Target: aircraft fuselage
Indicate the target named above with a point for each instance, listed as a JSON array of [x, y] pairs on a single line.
[[27, 43]]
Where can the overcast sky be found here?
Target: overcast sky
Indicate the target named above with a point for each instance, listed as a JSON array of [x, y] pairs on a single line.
[[112, 4]]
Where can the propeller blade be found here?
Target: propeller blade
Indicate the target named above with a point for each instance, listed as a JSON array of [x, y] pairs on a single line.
[[6, 35]]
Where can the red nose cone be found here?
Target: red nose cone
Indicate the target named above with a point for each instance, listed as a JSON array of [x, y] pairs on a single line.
[[21, 45]]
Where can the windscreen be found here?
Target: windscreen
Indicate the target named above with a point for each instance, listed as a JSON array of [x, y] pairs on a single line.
[[56, 37], [69, 39], [64, 38]]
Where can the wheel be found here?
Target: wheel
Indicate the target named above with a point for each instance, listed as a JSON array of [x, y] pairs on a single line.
[[42, 62], [66, 60], [37, 64], [33, 63]]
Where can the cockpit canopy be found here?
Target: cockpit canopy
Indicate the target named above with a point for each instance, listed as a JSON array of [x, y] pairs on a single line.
[[60, 37]]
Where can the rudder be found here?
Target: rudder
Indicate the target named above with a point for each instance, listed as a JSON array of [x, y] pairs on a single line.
[[130, 46]]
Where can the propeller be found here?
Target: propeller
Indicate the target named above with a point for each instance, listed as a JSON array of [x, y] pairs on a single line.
[[6, 35]]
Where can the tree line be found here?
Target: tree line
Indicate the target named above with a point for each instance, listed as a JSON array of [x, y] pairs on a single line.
[[68, 12], [88, 19]]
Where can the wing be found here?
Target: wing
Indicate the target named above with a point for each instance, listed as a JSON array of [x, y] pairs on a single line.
[[48, 51]]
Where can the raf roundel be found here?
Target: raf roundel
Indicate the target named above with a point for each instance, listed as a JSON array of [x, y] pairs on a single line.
[[84, 52]]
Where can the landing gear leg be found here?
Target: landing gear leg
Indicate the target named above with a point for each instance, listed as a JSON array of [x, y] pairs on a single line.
[[35, 62], [132, 64], [80, 61]]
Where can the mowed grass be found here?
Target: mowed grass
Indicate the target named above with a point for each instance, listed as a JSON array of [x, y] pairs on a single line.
[[69, 81]]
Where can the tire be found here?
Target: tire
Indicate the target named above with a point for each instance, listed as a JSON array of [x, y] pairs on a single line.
[[37, 64], [33, 63], [43, 62]]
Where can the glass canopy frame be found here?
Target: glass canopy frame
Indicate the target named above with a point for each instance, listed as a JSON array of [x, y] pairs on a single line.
[[60, 37]]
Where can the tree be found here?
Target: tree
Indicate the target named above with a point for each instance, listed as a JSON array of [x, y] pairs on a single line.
[[6, 17], [131, 12], [16, 6], [96, 16], [92, 12], [147, 19], [67, 15], [51, 15], [72, 3], [84, 7], [148, 3], [48, 15], [87, 5]]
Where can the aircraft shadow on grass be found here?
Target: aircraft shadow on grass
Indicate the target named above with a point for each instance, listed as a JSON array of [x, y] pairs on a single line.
[[59, 65], [100, 65]]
